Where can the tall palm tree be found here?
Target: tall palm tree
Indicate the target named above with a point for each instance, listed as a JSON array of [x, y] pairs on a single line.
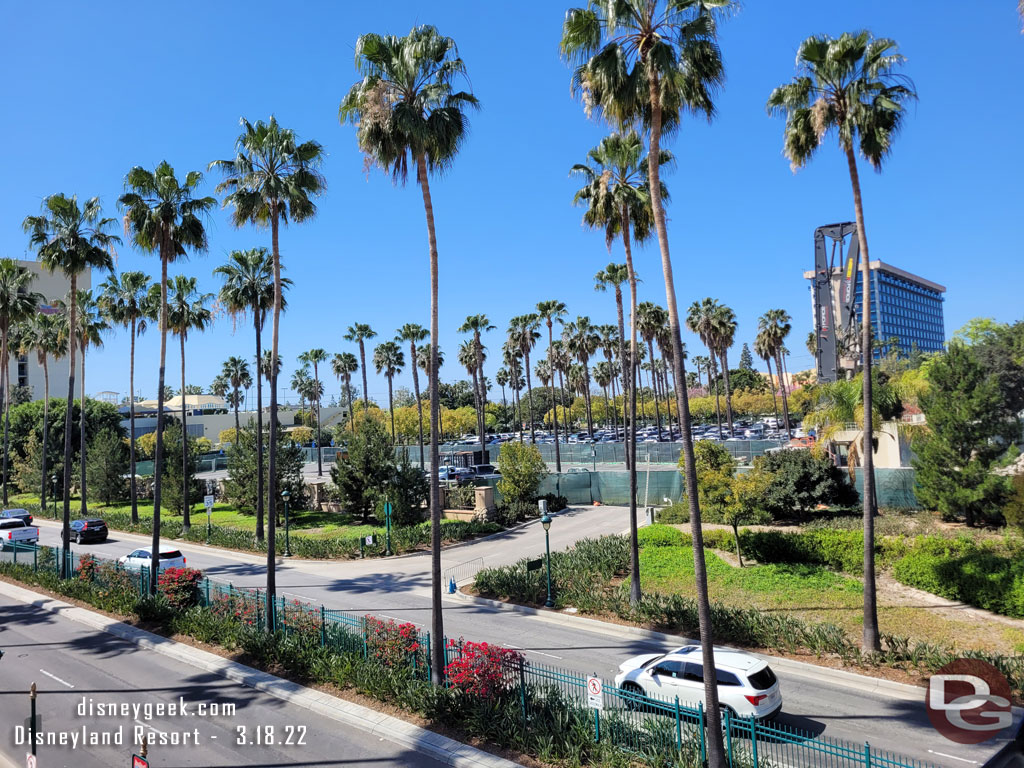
[[664, 338], [17, 304], [477, 324], [423, 362], [523, 335], [544, 373], [47, 340], [124, 300], [700, 319], [407, 111], [651, 318], [300, 384], [389, 359], [360, 332], [724, 322], [611, 343], [582, 340], [71, 239], [414, 334], [849, 84], [550, 312], [774, 325], [163, 216], [343, 365], [763, 349], [603, 377], [314, 357], [249, 287], [648, 61], [237, 376], [187, 311], [91, 327], [501, 378], [469, 357], [272, 178], [560, 359]]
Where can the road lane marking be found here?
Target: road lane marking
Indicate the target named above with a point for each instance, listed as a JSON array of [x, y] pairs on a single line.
[[954, 757], [147, 725], [405, 621], [528, 650], [62, 682]]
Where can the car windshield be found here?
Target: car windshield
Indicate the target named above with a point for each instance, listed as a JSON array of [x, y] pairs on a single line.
[[763, 679], [173, 554], [12, 524]]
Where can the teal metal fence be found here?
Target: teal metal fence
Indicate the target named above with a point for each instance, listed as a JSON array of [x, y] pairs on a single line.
[[663, 731]]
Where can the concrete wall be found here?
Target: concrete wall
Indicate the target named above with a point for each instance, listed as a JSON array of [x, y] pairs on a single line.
[[214, 423]]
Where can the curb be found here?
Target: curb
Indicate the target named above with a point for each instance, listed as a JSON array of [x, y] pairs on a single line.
[[863, 683], [393, 729]]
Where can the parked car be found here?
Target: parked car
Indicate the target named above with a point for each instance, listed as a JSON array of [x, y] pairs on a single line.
[[485, 471], [746, 684], [143, 556], [16, 514], [17, 531], [91, 529]]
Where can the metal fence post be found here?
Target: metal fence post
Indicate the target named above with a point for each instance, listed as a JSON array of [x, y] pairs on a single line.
[[366, 648], [522, 692], [700, 730], [323, 627], [597, 725], [753, 740], [867, 755], [35, 559], [207, 592], [679, 727], [728, 735], [15, 552], [430, 660]]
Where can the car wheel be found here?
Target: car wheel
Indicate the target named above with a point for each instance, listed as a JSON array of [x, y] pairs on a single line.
[[78, 538], [632, 699]]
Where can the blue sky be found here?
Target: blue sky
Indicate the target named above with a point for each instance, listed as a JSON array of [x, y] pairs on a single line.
[[91, 90]]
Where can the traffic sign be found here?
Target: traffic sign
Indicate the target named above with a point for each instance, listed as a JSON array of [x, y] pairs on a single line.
[[595, 693], [139, 762], [534, 565], [208, 501], [369, 540]]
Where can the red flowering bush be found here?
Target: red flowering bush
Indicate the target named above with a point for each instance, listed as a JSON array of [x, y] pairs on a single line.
[[244, 607], [88, 565], [297, 617], [394, 645], [180, 586], [481, 668]]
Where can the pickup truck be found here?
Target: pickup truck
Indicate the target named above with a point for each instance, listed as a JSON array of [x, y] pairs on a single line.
[[16, 530]]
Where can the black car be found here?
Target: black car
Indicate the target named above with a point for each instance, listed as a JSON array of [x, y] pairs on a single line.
[[16, 514], [90, 529]]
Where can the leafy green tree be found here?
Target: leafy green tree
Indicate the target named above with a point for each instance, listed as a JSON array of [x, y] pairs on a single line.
[[746, 359], [362, 474], [522, 469], [106, 466], [966, 434], [179, 477], [244, 485], [851, 85], [124, 300], [747, 379], [1013, 512], [407, 490], [26, 470], [715, 469], [800, 481], [745, 503], [164, 216], [71, 239]]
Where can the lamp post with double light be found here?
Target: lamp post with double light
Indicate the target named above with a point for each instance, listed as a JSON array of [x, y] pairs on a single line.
[[546, 522], [285, 495]]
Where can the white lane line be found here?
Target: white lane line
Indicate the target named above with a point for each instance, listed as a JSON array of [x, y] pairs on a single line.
[[404, 621], [954, 757], [527, 650], [62, 682], [147, 725]]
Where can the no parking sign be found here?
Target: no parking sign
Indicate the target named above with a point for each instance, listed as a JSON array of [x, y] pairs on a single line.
[[595, 693]]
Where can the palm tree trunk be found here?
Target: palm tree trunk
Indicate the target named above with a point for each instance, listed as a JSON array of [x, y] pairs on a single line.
[[586, 397], [5, 386], [529, 395], [158, 453], [629, 390], [362, 364], [391, 410], [416, 391], [186, 508], [46, 436], [715, 748], [782, 389], [554, 405], [258, 322], [83, 504], [775, 404], [437, 651], [319, 444], [713, 381], [728, 390], [272, 451], [133, 485], [871, 641], [653, 378], [348, 394], [69, 410], [566, 412], [238, 428]]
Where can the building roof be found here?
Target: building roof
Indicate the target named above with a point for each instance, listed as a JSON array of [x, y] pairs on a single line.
[[191, 401], [885, 267]]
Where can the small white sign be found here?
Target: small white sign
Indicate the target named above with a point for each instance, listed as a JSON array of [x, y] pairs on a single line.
[[595, 693], [30, 760], [369, 541], [208, 501]]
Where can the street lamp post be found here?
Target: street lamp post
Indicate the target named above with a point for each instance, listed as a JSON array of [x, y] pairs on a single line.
[[32, 716], [53, 494], [546, 522], [285, 494]]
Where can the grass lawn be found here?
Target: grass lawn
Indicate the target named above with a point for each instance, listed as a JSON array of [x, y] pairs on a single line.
[[814, 593]]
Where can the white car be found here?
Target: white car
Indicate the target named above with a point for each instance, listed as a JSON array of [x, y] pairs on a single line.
[[143, 558], [746, 684]]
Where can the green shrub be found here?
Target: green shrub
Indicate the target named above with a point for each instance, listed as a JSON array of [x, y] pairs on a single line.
[[800, 481], [661, 536], [555, 502], [522, 469], [677, 513], [461, 497]]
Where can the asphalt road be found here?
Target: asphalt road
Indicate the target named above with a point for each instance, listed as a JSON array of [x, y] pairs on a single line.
[[72, 664], [399, 588]]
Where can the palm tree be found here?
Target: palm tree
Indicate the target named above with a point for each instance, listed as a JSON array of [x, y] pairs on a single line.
[[648, 61], [651, 318], [91, 327], [71, 239], [603, 377], [249, 287], [582, 340], [501, 378], [300, 386], [17, 304], [407, 111], [238, 377], [187, 311], [469, 358], [343, 365], [314, 357], [414, 334], [763, 349], [724, 322], [700, 319], [272, 178], [46, 338], [849, 84], [523, 335], [389, 359], [774, 324], [611, 343], [477, 324], [360, 332], [550, 312], [124, 301], [423, 362], [163, 216]]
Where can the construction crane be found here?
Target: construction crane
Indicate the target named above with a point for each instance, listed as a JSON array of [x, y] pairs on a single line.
[[834, 335]]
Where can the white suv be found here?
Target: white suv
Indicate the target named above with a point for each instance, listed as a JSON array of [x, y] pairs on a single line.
[[143, 558], [746, 684]]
